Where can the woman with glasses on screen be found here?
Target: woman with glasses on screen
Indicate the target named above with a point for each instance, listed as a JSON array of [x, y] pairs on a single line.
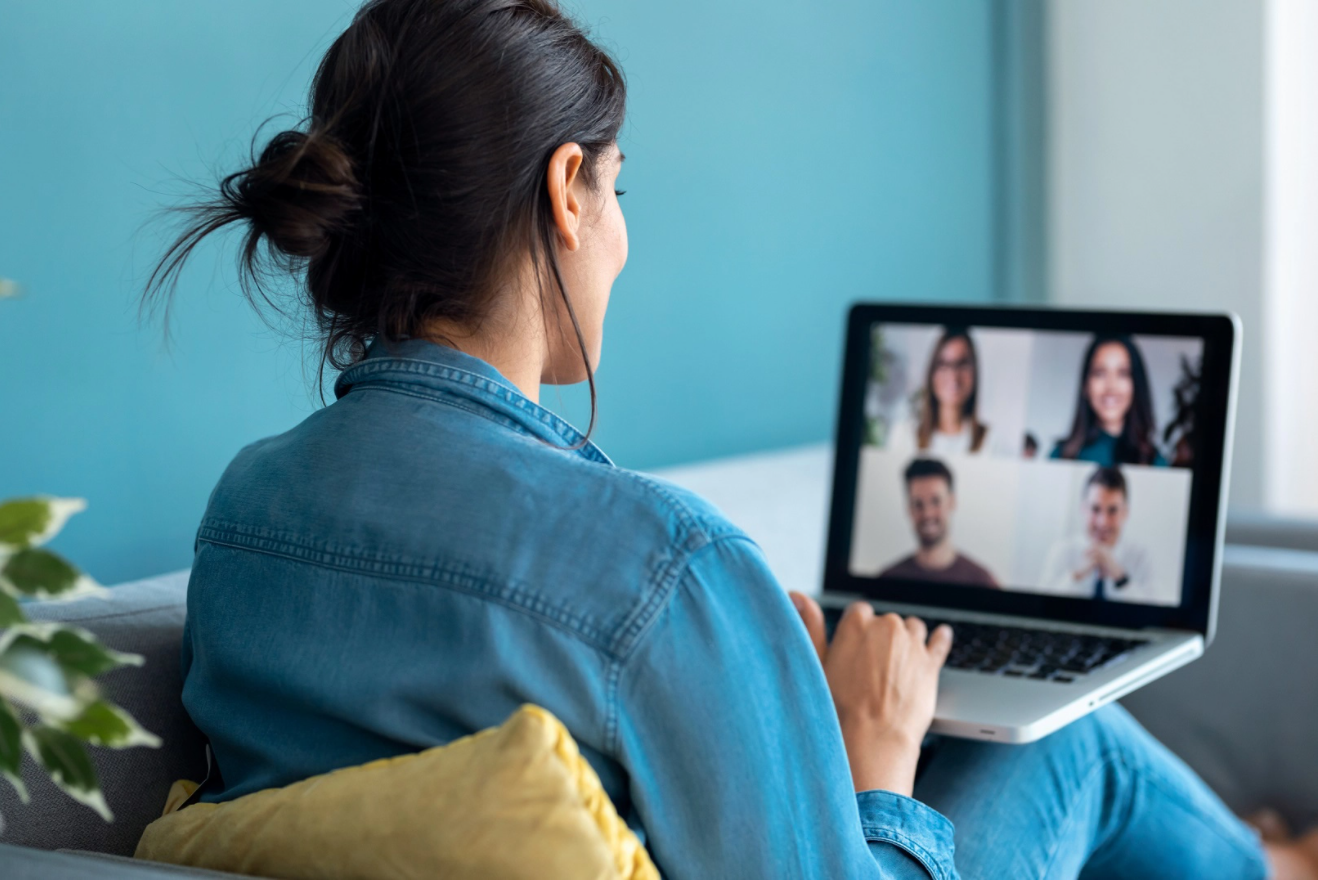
[[449, 549], [949, 402], [1113, 422]]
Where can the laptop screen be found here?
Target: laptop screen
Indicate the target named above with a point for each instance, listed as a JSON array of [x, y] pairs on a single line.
[[1044, 461]]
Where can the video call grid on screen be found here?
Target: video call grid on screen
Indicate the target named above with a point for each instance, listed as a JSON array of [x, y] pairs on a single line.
[[1031, 461]]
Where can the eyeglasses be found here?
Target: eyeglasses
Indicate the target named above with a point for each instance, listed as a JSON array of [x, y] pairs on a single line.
[[963, 365]]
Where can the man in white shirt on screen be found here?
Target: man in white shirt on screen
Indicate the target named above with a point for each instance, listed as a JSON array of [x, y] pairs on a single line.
[[1102, 564]]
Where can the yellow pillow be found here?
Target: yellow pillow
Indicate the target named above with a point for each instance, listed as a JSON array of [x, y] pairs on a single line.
[[516, 801]]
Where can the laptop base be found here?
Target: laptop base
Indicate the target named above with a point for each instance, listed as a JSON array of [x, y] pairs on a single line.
[[998, 707]]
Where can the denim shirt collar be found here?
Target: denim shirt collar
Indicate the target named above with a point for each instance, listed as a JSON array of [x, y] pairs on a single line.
[[439, 371]]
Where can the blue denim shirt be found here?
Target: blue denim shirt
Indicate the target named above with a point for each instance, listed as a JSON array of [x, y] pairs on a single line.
[[413, 562]]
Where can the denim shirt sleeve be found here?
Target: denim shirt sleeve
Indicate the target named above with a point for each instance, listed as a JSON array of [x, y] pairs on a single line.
[[724, 721]]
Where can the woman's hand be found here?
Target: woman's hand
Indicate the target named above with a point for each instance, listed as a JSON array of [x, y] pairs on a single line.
[[883, 673]]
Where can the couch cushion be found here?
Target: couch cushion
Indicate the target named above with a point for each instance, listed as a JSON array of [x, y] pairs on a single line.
[[514, 802], [1244, 714], [144, 617]]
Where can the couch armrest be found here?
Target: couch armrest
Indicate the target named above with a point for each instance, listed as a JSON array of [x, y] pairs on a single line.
[[22, 863], [1244, 715], [1258, 529]]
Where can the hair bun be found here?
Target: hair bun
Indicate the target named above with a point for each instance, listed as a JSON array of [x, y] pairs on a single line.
[[300, 194]]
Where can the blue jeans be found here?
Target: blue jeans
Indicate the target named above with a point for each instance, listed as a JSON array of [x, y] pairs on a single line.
[[1100, 798]]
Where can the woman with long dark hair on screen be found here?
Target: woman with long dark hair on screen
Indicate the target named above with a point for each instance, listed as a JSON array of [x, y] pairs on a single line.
[[434, 548], [949, 403], [1114, 422]]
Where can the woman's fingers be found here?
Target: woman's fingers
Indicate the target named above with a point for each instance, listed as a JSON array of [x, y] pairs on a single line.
[[884, 681], [862, 610], [813, 618], [940, 643]]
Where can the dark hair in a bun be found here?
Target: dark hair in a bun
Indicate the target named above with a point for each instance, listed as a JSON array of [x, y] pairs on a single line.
[[420, 170], [299, 195]]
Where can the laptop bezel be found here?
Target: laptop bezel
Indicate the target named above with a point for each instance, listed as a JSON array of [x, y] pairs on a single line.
[[1202, 564]]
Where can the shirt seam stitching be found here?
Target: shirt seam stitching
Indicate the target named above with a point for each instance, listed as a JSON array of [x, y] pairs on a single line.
[[666, 587], [559, 426], [662, 588], [611, 721], [931, 863], [419, 365], [689, 524], [509, 596], [686, 516]]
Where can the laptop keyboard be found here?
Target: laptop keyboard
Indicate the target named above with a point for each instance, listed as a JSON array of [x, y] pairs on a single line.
[[1021, 652]]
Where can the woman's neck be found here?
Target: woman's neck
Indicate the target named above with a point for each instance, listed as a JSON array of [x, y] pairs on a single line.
[[949, 419], [512, 343]]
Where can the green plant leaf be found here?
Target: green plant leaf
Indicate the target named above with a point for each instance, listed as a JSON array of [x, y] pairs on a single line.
[[27, 522], [37, 573], [76, 650], [10, 612], [48, 667], [104, 724], [33, 572], [31, 677], [65, 758], [21, 520], [79, 651], [11, 750]]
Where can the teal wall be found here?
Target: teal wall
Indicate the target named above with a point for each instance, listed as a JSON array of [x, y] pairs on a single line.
[[784, 159]]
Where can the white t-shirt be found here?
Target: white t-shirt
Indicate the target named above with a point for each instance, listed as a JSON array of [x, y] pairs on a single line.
[[1067, 556], [905, 439], [954, 444]]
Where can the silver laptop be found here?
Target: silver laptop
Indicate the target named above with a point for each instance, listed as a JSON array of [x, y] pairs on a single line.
[[1049, 483]]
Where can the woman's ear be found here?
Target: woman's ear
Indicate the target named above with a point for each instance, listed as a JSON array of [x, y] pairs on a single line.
[[563, 184]]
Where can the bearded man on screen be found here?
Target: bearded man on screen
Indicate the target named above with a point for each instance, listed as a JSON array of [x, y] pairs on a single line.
[[931, 504]]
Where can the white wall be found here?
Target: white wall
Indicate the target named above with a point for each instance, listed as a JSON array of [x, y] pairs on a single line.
[[1291, 255], [1155, 155]]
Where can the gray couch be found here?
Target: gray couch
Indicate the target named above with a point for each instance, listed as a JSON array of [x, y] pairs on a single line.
[[1243, 716]]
